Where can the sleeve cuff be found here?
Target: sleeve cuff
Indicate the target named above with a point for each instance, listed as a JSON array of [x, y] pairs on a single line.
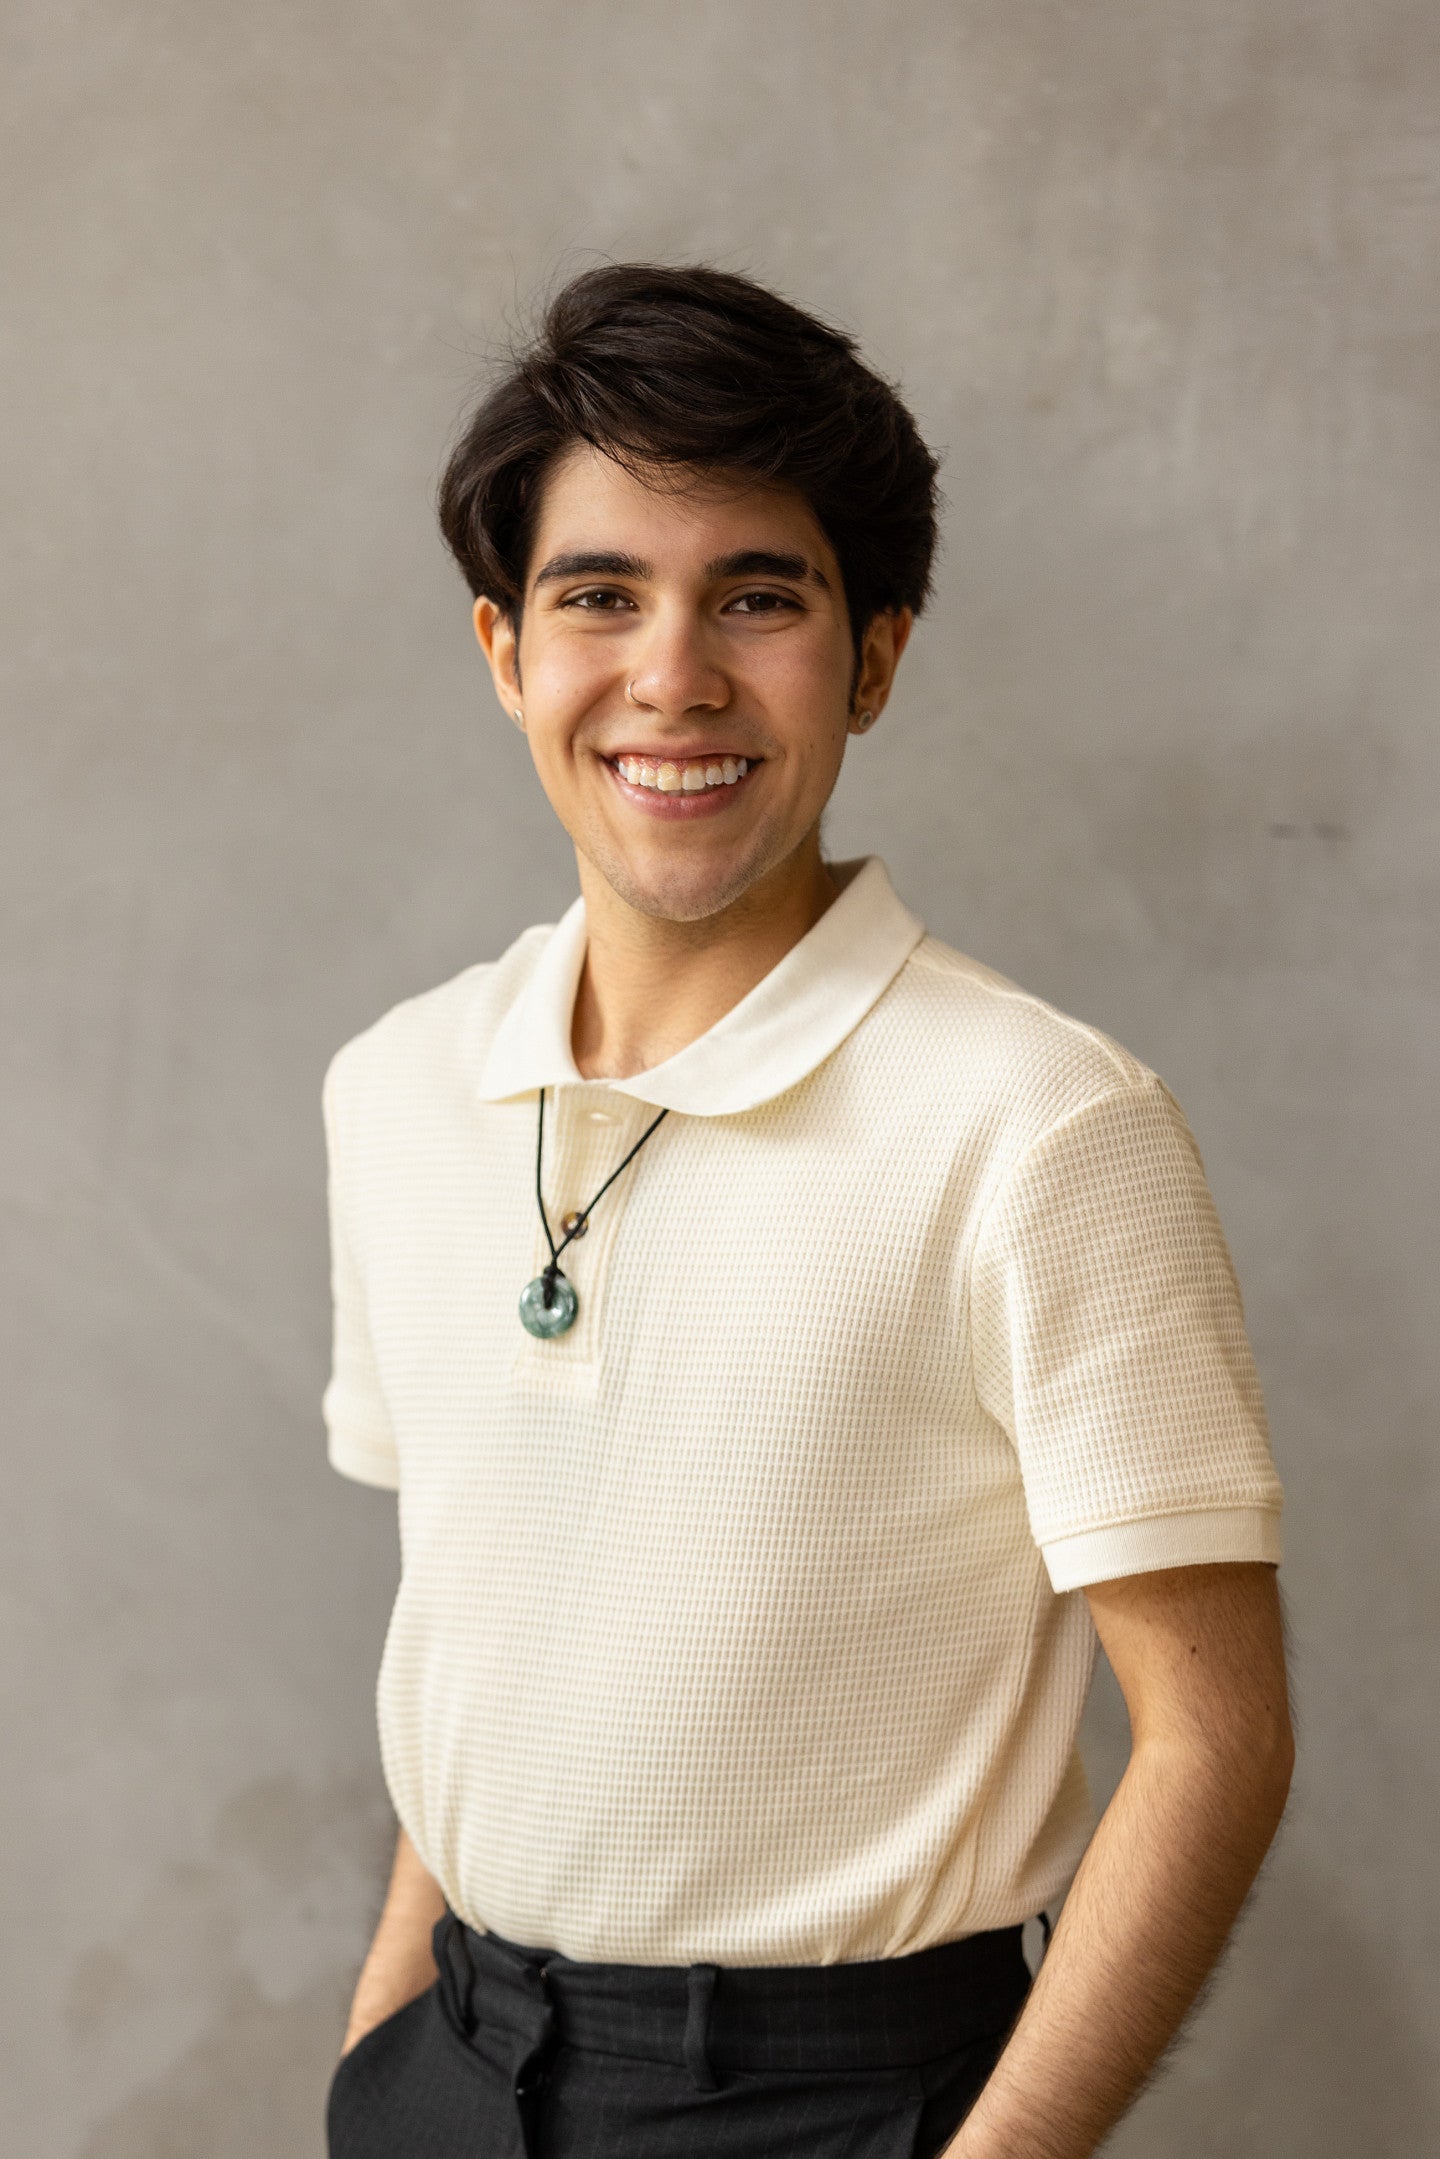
[[367, 1461], [1209, 1537]]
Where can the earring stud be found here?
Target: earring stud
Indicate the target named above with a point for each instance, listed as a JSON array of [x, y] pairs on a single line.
[[519, 717], [864, 721]]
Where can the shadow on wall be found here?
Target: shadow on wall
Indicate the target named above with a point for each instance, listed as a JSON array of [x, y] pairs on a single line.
[[254, 1952], [1308, 2048], [253, 2083]]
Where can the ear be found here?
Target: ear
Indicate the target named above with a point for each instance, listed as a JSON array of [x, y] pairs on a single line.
[[886, 636], [495, 632]]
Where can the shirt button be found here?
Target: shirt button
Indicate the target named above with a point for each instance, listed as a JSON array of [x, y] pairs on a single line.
[[601, 1116]]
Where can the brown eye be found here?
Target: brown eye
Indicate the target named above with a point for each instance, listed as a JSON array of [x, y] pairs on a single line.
[[776, 600], [601, 593]]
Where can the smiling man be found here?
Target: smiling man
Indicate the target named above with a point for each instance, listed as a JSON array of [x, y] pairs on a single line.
[[794, 1346]]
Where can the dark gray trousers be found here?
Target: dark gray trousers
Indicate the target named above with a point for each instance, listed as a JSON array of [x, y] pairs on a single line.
[[521, 2053]]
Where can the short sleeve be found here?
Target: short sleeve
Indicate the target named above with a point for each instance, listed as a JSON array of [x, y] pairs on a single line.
[[1109, 1340], [360, 1443]]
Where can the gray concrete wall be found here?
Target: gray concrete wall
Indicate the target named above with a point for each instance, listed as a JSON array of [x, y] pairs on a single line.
[[1163, 283]]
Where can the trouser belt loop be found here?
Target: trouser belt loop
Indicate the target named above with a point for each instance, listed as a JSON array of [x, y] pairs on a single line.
[[700, 1982], [451, 1933]]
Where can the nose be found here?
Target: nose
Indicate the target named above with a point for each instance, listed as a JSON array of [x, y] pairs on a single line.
[[673, 668]]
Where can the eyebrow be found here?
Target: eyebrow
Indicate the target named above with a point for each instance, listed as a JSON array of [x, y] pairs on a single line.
[[764, 562], [744, 562], [591, 562]]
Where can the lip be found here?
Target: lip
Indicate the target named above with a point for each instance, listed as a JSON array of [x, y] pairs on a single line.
[[701, 802]]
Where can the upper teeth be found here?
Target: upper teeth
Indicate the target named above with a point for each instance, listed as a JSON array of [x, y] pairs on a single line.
[[673, 779]]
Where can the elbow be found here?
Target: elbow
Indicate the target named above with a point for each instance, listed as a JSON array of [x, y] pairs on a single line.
[[1280, 1766], [1258, 1769], [1261, 1749], [1244, 1769]]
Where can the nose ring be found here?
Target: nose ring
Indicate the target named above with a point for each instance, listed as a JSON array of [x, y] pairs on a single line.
[[630, 692]]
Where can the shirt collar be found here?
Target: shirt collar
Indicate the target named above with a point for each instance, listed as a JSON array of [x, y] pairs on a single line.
[[778, 1032]]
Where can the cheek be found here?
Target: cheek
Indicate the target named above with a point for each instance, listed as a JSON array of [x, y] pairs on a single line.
[[806, 681], [807, 673], [565, 675]]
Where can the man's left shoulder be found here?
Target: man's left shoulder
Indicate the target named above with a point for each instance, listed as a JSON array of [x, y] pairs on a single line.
[[1008, 1046]]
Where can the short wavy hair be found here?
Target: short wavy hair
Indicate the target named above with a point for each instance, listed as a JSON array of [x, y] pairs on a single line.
[[706, 372]]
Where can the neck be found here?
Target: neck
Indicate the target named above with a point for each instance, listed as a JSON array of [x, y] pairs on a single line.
[[650, 986]]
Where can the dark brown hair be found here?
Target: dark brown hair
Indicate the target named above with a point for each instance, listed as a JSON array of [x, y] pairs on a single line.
[[703, 371]]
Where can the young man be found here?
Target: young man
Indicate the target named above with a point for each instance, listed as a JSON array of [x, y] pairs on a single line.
[[792, 1344]]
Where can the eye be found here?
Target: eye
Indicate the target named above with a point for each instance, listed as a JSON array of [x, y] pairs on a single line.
[[775, 600], [597, 593]]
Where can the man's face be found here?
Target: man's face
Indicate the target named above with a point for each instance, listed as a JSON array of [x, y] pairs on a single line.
[[678, 634]]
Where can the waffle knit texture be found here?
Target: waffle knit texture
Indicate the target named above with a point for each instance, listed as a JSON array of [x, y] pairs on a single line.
[[739, 1623]]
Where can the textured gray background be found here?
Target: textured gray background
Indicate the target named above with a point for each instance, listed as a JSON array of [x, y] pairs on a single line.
[[1162, 283]]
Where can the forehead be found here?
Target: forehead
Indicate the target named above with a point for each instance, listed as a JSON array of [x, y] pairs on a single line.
[[683, 518]]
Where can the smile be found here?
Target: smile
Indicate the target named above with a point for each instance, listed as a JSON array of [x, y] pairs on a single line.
[[673, 777]]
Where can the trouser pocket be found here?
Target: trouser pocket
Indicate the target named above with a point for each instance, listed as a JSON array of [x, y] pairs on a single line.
[[951, 2084], [355, 2101]]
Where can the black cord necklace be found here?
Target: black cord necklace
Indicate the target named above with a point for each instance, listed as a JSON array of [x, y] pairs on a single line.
[[548, 1305]]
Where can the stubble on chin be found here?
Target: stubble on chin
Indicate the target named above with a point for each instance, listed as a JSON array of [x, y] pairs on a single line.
[[675, 892]]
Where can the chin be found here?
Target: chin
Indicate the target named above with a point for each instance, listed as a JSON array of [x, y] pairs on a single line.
[[678, 889]]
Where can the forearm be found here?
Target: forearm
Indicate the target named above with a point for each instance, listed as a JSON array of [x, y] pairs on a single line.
[[399, 1964], [1146, 1918]]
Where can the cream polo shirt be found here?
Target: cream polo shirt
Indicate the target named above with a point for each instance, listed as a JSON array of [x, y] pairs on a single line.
[[740, 1623]]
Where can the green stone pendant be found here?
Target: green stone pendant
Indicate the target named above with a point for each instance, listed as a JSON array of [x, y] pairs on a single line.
[[544, 1320]]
